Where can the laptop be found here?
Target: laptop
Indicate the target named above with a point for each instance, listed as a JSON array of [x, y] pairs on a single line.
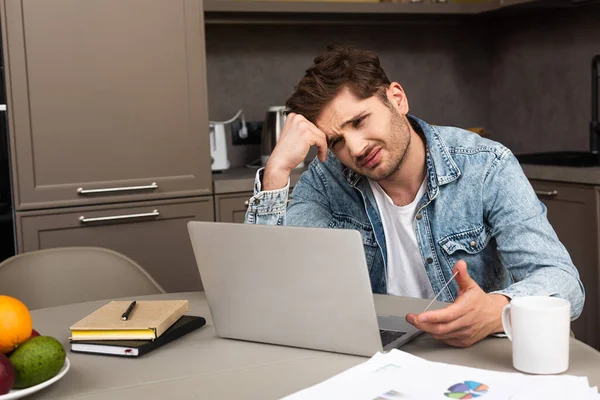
[[293, 286]]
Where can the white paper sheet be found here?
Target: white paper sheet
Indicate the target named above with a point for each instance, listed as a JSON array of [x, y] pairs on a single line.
[[400, 376]]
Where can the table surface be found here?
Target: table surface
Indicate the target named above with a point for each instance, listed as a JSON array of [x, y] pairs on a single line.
[[241, 179], [582, 175], [202, 365]]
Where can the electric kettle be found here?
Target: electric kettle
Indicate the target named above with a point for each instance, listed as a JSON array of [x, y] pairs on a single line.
[[272, 127]]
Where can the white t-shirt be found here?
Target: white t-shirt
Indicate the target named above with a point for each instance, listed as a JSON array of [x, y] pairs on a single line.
[[406, 274]]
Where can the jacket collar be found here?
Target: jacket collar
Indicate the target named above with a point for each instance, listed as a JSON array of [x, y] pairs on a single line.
[[441, 168]]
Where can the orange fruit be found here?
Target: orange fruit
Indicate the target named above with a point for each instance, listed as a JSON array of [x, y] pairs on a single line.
[[15, 323]]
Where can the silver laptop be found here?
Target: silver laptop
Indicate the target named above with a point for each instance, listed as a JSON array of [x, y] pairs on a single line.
[[293, 286]]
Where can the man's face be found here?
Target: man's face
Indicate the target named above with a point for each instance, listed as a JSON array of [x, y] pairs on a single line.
[[368, 136]]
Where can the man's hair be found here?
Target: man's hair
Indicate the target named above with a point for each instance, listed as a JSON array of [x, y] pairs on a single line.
[[339, 67]]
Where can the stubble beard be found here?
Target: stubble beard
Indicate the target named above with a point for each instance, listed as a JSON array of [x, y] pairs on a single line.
[[397, 148]]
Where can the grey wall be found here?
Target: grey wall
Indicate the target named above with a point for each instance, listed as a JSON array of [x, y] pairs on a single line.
[[540, 93], [524, 77], [443, 68]]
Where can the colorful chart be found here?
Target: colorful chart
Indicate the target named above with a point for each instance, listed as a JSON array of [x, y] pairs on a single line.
[[467, 390], [390, 395]]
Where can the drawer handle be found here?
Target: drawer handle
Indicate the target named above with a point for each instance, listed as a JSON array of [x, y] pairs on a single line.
[[153, 185], [551, 193], [84, 220]]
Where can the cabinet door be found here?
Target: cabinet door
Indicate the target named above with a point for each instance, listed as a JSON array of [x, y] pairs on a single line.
[[152, 233], [572, 213], [232, 207], [106, 95]]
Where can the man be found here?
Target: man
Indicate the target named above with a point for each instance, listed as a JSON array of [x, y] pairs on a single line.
[[429, 201]]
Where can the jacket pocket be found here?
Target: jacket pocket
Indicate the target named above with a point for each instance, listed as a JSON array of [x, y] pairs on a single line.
[[478, 249], [471, 241]]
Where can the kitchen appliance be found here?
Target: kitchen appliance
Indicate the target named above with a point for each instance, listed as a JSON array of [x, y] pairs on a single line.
[[218, 147], [274, 120], [219, 160]]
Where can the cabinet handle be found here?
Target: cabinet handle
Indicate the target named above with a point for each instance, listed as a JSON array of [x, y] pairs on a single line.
[[551, 193], [153, 185], [84, 220]]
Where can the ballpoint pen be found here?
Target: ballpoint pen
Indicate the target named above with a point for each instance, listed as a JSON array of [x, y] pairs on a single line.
[[125, 315]]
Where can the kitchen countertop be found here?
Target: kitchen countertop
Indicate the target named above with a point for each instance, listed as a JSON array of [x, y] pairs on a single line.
[[241, 179], [582, 175]]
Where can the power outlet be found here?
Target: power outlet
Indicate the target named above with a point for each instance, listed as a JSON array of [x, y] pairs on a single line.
[[254, 131]]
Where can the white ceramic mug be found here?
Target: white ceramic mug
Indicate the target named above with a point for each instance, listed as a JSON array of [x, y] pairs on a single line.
[[539, 329]]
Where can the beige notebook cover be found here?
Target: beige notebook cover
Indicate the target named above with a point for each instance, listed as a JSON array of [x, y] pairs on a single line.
[[148, 320]]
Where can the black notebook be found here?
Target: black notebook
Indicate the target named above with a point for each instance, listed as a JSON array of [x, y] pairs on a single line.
[[136, 348]]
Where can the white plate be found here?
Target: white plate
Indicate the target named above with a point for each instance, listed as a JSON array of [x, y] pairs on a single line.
[[19, 393]]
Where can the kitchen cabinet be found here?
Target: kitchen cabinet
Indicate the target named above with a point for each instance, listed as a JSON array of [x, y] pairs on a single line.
[[231, 207], [108, 128], [370, 12], [358, 7], [152, 233], [573, 212], [107, 101]]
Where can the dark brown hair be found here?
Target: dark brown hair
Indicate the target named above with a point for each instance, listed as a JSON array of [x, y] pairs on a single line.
[[339, 67]]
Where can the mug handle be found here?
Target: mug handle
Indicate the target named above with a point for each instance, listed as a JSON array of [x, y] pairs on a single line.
[[506, 323]]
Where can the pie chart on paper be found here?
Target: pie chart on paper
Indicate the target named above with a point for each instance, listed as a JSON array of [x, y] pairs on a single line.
[[467, 390]]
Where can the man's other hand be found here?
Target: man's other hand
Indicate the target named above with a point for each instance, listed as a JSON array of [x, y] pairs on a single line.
[[473, 315]]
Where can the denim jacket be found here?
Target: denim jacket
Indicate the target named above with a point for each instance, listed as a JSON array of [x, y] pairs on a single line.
[[478, 207]]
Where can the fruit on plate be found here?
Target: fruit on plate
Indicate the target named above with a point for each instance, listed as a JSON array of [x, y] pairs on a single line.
[[34, 333], [7, 375], [15, 323], [37, 360]]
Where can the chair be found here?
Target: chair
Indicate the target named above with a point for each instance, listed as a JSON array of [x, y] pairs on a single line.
[[65, 275]]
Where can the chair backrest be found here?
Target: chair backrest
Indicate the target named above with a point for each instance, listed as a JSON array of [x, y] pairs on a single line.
[[52, 277]]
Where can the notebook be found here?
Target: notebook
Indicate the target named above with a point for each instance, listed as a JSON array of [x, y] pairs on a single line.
[[148, 320], [136, 348]]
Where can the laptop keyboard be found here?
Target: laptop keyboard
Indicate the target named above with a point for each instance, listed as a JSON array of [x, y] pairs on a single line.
[[388, 337]]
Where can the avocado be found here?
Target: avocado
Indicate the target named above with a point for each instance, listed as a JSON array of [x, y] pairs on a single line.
[[37, 360]]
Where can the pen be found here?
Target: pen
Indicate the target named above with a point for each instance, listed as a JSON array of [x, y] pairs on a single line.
[[129, 309], [436, 296]]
